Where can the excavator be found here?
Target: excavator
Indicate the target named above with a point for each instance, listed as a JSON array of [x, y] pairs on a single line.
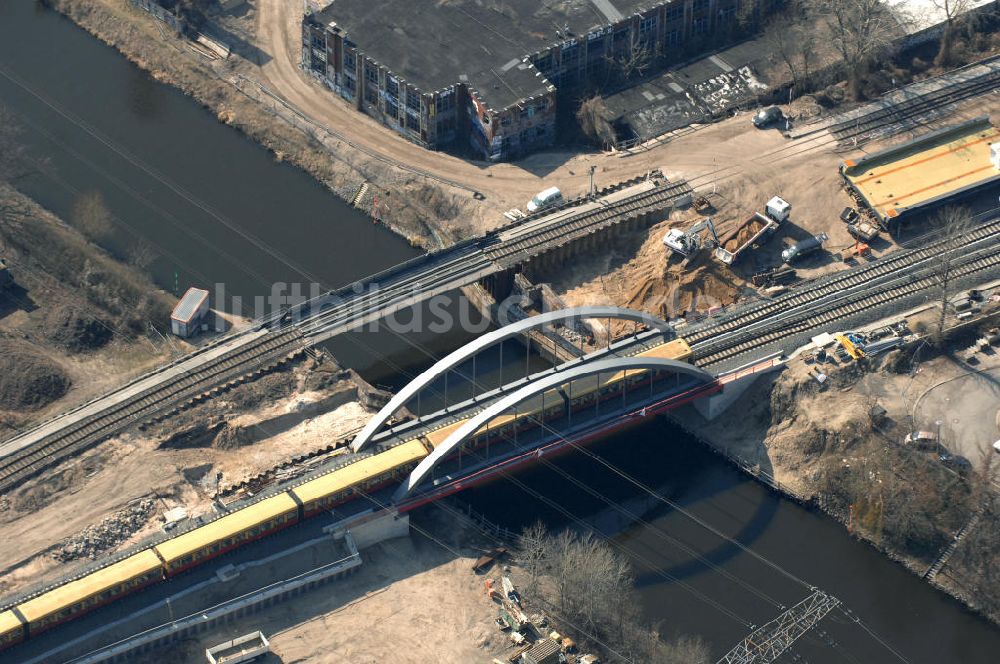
[[689, 243]]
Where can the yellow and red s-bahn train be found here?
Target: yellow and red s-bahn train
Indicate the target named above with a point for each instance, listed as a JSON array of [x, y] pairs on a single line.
[[177, 554], [173, 556]]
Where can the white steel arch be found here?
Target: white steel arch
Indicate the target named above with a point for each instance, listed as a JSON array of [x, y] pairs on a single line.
[[473, 424], [452, 360]]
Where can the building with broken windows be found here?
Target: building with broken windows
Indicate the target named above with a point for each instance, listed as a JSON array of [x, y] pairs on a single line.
[[486, 72]]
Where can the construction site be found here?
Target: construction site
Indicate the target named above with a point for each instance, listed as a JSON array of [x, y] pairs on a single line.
[[807, 293]]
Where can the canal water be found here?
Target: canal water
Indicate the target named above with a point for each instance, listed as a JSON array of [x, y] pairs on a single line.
[[219, 209], [216, 208]]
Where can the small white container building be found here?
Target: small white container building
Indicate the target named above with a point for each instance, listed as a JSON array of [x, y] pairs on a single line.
[[189, 313], [241, 649]]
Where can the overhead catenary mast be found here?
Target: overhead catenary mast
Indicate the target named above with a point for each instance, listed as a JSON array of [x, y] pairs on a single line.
[[766, 643]]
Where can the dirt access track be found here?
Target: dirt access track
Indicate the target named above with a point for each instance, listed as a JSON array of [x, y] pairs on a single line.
[[505, 185]]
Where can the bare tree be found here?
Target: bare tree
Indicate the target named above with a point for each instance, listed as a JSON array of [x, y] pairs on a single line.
[[956, 13], [141, 254], [861, 31], [953, 223], [581, 580], [92, 217], [595, 120], [532, 553], [873, 411], [795, 37], [792, 43], [12, 153], [634, 60]]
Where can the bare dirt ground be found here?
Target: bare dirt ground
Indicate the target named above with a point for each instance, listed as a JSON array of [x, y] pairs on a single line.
[[455, 623], [752, 165], [177, 463], [745, 167], [412, 602], [759, 162]]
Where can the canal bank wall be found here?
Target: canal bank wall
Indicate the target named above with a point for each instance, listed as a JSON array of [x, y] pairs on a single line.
[[401, 200]]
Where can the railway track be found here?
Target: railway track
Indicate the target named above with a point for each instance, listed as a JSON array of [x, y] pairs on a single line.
[[346, 313], [491, 253], [848, 281], [842, 307], [147, 404], [906, 114], [521, 244], [880, 124], [401, 287]]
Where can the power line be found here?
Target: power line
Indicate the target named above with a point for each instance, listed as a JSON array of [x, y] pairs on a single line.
[[650, 491]]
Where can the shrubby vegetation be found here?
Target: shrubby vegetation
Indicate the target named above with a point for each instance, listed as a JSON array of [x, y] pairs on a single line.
[[586, 585]]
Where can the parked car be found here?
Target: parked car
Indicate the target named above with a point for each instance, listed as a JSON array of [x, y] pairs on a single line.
[[767, 116], [922, 440], [956, 462], [804, 248], [549, 197]]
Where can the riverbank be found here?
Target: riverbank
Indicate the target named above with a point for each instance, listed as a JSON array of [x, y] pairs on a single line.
[[75, 320], [405, 199], [838, 445]]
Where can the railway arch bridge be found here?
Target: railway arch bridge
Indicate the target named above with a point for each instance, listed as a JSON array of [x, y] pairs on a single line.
[[647, 372], [469, 351], [700, 381]]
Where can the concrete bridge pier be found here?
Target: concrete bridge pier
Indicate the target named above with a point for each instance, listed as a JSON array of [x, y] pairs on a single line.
[[711, 407]]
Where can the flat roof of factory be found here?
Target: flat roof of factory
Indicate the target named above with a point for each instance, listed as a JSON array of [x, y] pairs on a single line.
[[926, 170], [434, 44]]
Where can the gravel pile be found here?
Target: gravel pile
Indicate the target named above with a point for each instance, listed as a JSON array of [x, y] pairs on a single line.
[[107, 534]]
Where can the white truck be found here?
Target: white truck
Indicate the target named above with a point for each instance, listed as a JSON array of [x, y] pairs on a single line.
[[543, 199], [754, 231]]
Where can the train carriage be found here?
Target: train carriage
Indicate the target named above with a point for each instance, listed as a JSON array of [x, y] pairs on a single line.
[[227, 532], [11, 629], [264, 517], [326, 491], [86, 593]]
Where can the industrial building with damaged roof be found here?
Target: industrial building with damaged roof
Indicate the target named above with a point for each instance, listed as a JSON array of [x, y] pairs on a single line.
[[930, 170], [440, 71], [434, 45]]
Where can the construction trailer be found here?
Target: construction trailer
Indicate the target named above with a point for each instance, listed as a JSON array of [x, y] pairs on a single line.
[[544, 651], [941, 167], [189, 314]]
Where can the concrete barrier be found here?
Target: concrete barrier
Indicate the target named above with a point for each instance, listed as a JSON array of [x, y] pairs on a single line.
[[221, 613]]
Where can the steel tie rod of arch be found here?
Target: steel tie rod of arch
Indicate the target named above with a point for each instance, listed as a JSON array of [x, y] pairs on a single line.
[[473, 424]]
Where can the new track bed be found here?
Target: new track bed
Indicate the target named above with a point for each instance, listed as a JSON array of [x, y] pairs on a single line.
[[848, 281], [160, 398]]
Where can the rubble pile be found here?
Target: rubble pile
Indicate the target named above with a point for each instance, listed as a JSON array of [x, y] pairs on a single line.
[[107, 534]]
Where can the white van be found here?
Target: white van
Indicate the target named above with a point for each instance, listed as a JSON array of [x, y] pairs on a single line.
[[551, 196]]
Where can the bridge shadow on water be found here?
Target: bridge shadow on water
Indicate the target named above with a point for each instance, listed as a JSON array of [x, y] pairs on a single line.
[[658, 456]]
